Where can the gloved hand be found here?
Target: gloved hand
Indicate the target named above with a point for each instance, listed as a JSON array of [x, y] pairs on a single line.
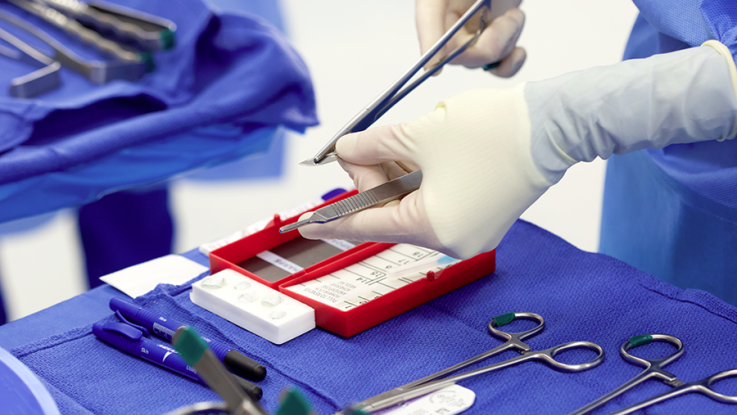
[[487, 155], [496, 43]]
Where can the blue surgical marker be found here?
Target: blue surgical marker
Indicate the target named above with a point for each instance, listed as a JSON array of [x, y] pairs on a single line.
[[166, 327], [131, 340]]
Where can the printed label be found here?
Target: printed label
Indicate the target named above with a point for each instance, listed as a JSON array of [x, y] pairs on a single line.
[[366, 280], [280, 262]]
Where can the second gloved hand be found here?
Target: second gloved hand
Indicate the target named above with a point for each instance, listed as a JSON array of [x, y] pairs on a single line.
[[487, 155], [478, 175]]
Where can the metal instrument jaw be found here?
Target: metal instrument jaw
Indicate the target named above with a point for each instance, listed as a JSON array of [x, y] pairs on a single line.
[[381, 104], [143, 31], [37, 82], [653, 367], [74, 28], [97, 72]]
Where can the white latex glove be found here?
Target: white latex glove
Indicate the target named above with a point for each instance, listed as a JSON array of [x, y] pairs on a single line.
[[487, 155], [497, 42]]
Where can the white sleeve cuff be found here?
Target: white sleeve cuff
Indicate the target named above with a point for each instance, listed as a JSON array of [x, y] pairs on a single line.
[[724, 51]]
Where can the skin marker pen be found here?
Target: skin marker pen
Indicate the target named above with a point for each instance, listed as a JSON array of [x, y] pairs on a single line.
[[131, 340], [165, 328]]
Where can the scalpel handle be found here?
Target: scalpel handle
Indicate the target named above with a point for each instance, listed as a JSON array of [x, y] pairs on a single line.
[[378, 195]]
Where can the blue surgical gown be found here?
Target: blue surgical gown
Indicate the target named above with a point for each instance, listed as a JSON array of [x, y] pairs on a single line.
[[673, 212]]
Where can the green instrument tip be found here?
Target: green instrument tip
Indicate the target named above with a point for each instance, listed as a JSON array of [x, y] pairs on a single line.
[[641, 340], [168, 40], [504, 319], [189, 344], [148, 59], [293, 404]]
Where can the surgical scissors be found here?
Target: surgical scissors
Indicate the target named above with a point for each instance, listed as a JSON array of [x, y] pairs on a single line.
[[433, 382], [654, 369], [395, 92]]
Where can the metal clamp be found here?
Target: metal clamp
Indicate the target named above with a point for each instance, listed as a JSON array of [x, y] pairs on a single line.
[[97, 72], [37, 82]]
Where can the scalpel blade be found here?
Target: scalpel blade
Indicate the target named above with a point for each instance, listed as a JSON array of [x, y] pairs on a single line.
[[329, 158]]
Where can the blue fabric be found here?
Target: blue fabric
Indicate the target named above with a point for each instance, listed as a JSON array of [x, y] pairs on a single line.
[[193, 86], [267, 165], [271, 163], [654, 222], [125, 229], [228, 71], [671, 212], [582, 296], [139, 165], [129, 167], [22, 393], [693, 22]]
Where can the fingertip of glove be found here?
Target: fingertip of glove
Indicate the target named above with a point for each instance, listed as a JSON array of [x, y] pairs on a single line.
[[518, 16], [346, 146], [305, 230]]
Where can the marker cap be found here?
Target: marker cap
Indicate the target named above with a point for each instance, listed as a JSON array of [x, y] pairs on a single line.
[[240, 364]]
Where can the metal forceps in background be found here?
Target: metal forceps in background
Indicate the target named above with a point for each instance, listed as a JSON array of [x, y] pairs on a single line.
[[74, 28], [654, 369], [144, 31], [37, 82], [97, 72], [433, 382], [395, 92]]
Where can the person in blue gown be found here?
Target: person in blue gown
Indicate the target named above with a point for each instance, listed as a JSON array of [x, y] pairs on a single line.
[[665, 118]]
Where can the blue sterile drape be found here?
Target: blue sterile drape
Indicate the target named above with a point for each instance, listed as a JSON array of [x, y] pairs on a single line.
[[673, 212], [581, 296], [221, 93]]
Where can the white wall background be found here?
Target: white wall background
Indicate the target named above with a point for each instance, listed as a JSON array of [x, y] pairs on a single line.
[[354, 50]]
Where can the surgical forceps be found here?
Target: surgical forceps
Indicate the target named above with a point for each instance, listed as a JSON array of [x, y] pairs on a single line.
[[406, 184], [395, 92], [144, 31], [37, 82], [654, 369], [76, 29], [97, 72], [433, 382]]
